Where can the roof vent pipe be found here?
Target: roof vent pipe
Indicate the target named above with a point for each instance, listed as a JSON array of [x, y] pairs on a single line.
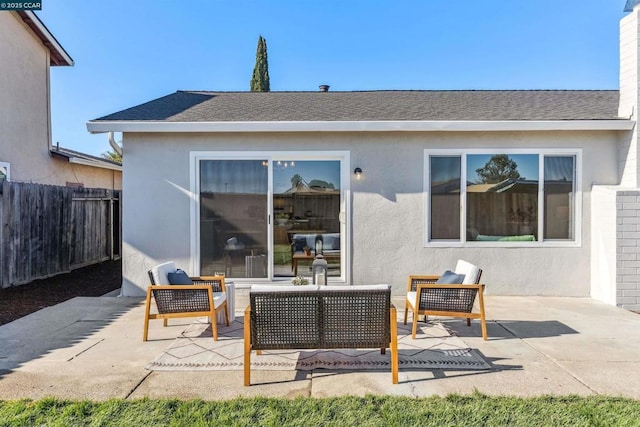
[[324, 88]]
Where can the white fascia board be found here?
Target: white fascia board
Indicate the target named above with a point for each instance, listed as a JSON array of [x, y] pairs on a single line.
[[50, 38], [95, 164], [359, 126]]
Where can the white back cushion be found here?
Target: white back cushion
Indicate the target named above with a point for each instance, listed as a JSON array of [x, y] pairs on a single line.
[[161, 271], [469, 270], [283, 288], [355, 288]]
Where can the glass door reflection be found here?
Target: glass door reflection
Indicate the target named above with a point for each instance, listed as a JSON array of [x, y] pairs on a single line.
[[233, 218]]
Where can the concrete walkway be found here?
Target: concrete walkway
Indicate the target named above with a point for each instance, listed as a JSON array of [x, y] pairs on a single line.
[[91, 348]]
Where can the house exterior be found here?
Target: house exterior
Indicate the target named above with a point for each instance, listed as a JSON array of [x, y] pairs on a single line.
[[539, 188], [27, 51]]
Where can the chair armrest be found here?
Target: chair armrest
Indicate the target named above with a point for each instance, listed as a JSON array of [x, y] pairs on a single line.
[[209, 280], [180, 287], [413, 281]]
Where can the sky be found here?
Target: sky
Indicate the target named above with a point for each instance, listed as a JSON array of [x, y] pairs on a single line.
[[328, 171], [128, 52]]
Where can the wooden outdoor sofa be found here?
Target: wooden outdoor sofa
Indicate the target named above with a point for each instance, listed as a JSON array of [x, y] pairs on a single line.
[[320, 317]]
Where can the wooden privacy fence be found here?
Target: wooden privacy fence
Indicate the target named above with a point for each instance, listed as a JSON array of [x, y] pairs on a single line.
[[46, 230]]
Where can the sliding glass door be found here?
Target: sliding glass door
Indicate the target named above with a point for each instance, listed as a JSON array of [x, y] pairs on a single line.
[[306, 208], [233, 218], [268, 215]]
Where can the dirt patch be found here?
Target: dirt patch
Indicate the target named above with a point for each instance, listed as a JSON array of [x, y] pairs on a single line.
[[92, 281]]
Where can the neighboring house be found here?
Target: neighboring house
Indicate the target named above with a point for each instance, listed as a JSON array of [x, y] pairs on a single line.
[[88, 171], [27, 51], [408, 182]]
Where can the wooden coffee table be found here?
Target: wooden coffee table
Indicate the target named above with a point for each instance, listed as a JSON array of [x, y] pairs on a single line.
[[297, 257]]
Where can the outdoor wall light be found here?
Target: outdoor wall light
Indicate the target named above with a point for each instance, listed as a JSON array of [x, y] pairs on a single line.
[[358, 173]]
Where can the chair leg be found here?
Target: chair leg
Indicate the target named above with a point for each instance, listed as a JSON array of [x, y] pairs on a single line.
[[214, 326], [468, 321], [483, 322], [247, 349], [147, 308], [226, 312], [406, 311], [414, 328], [165, 322], [394, 345]]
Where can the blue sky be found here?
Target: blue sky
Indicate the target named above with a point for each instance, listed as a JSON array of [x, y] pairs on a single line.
[[129, 52], [328, 171]]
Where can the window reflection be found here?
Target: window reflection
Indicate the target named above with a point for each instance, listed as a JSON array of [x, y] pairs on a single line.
[[559, 177], [233, 217], [306, 208], [502, 197], [445, 197]]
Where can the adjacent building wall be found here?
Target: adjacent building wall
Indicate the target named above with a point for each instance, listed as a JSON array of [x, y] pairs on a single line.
[[24, 104], [66, 173], [388, 209], [629, 95], [25, 134]]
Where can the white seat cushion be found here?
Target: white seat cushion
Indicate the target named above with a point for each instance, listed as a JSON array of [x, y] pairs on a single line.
[[283, 288], [219, 298], [161, 272], [355, 288], [470, 271], [411, 297]]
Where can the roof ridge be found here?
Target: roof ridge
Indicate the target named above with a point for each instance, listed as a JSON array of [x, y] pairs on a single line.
[[394, 91]]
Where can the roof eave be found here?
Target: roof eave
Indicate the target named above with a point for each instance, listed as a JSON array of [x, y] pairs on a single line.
[[86, 162], [102, 126], [58, 55]]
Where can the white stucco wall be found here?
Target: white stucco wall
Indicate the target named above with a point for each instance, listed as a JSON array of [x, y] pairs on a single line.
[[25, 136], [603, 244], [629, 97], [388, 214], [24, 104]]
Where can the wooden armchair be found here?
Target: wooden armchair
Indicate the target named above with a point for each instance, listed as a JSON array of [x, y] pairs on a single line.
[[425, 296], [205, 297]]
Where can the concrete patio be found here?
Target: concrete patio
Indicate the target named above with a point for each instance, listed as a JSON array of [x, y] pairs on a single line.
[[91, 348]]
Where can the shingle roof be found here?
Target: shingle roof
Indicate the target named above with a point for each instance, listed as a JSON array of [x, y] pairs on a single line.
[[628, 7], [195, 106]]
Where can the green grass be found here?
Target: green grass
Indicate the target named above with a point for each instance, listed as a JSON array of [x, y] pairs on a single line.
[[281, 254], [454, 410]]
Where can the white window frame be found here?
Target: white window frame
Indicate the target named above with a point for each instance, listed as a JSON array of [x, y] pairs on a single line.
[[8, 166], [345, 202], [463, 153]]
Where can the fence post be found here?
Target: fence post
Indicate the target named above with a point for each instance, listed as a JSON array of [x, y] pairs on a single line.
[[4, 189]]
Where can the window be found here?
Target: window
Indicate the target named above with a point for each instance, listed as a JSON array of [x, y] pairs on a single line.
[[512, 197], [4, 172]]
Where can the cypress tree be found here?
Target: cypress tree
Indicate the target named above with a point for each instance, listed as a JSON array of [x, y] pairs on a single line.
[[260, 78]]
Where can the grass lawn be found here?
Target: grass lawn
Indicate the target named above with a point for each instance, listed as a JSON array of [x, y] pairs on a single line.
[[473, 410], [282, 254]]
